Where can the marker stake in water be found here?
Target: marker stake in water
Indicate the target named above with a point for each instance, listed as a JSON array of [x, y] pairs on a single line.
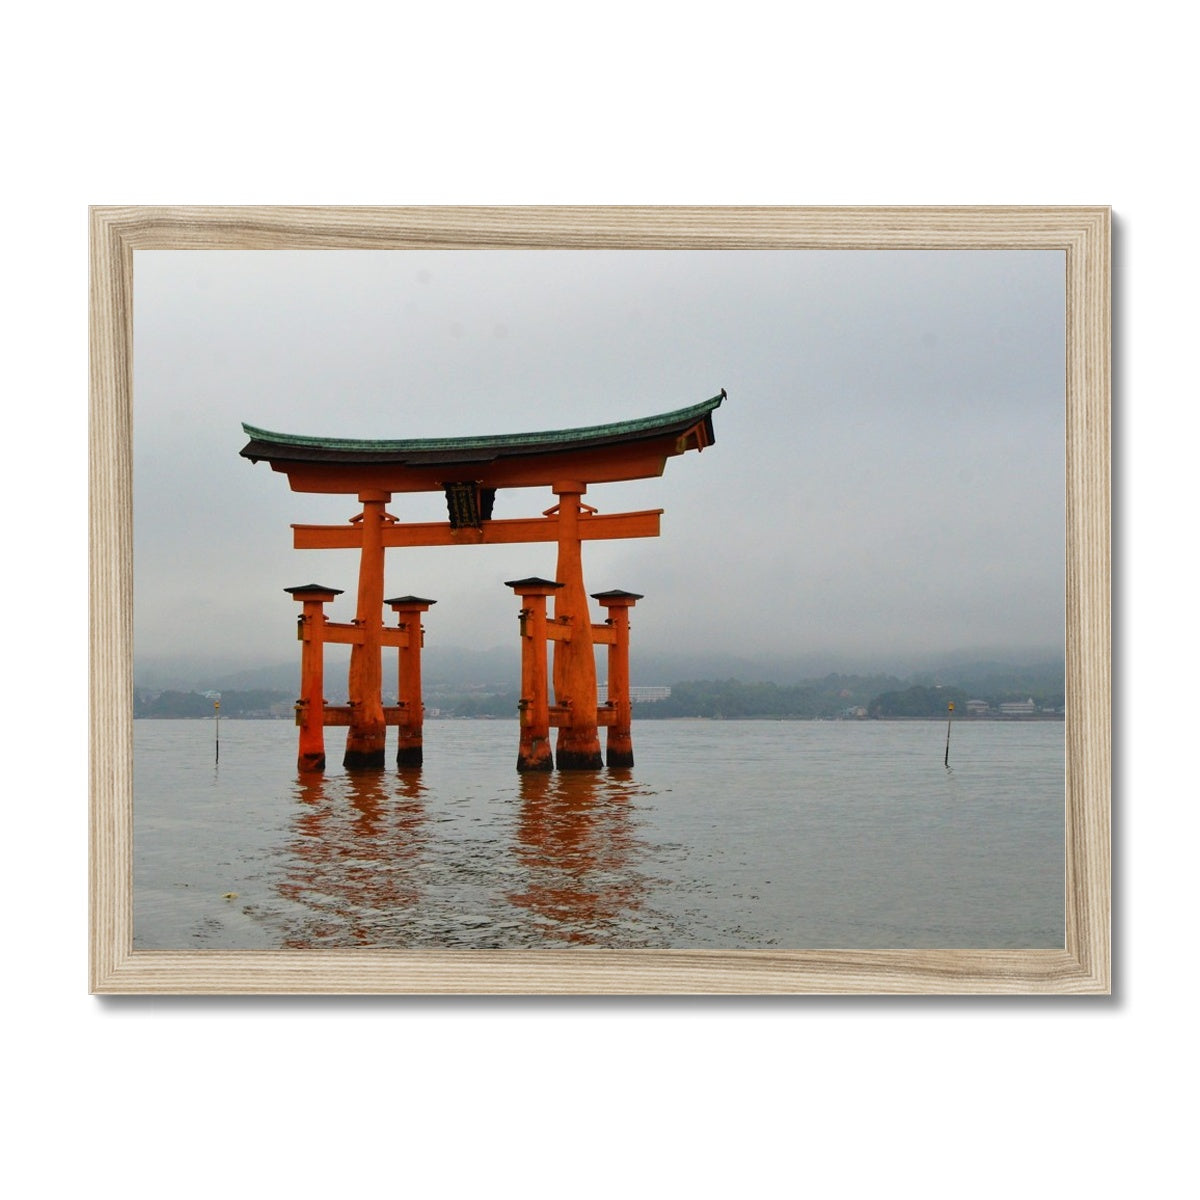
[[217, 715], [948, 720]]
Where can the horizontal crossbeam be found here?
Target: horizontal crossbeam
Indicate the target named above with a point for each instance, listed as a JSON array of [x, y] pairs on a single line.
[[562, 717], [393, 714], [560, 630], [592, 527], [341, 633]]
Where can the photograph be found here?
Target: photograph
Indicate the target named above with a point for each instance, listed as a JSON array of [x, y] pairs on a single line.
[[631, 599], [631, 562]]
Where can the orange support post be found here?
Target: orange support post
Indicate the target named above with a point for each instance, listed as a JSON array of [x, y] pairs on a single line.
[[310, 708], [578, 746], [409, 753], [534, 752], [619, 741], [366, 737]]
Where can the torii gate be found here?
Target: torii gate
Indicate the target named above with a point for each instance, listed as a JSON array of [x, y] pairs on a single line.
[[469, 470]]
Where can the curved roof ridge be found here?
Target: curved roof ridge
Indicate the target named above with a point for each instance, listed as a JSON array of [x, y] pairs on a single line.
[[694, 412]]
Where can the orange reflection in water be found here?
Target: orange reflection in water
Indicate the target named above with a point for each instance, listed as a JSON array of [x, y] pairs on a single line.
[[575, 841], [356, 844]]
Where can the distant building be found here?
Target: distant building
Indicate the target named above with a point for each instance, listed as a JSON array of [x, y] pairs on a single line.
[[978, 708], [1018, 708], [637, 695]]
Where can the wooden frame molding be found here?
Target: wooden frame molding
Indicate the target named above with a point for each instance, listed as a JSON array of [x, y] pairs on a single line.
[[1082, 966]]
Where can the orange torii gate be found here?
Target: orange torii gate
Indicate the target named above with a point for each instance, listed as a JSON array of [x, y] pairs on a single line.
[[470, 470]]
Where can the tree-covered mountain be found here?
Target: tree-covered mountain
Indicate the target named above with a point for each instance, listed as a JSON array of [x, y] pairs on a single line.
[[172, 703], [917, 702], [484, 684], [731, 699]]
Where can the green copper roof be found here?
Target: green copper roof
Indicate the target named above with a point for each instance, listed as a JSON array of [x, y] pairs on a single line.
[[267, 444]]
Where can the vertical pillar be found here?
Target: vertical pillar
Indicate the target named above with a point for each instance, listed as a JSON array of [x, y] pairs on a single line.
[[578, 747], [409, 753], [367, 734], [618, 743], [310, 709], [533, 753]]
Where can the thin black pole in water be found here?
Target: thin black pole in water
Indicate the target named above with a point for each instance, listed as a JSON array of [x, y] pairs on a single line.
[[948, 720], [217, 712]]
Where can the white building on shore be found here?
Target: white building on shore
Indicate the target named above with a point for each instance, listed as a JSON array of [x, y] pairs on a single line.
[[637, 695]]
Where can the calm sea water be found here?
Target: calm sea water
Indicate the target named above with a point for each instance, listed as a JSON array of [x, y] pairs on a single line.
[[725, 835]]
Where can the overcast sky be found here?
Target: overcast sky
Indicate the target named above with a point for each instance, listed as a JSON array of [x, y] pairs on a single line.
[[887, 476]]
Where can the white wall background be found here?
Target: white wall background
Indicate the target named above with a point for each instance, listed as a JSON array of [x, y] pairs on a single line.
[[646, 103]]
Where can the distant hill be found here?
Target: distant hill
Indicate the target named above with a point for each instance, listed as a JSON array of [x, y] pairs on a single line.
[[998, 681], [499, 667], [257, 703], [476, 683]]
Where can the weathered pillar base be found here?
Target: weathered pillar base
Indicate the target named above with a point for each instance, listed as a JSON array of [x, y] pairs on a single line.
[[535, 755], [618, 750], [410, 755], [311, 762], [364, 760], [578, 760], [358, 758], [579, 754]]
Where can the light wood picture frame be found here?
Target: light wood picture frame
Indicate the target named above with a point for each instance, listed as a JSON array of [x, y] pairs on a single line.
[[1082, 966]]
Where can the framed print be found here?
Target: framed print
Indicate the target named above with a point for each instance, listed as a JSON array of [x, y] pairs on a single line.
[[596, 600]]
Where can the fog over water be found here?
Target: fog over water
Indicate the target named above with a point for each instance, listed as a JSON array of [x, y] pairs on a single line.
[[887, 478]]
